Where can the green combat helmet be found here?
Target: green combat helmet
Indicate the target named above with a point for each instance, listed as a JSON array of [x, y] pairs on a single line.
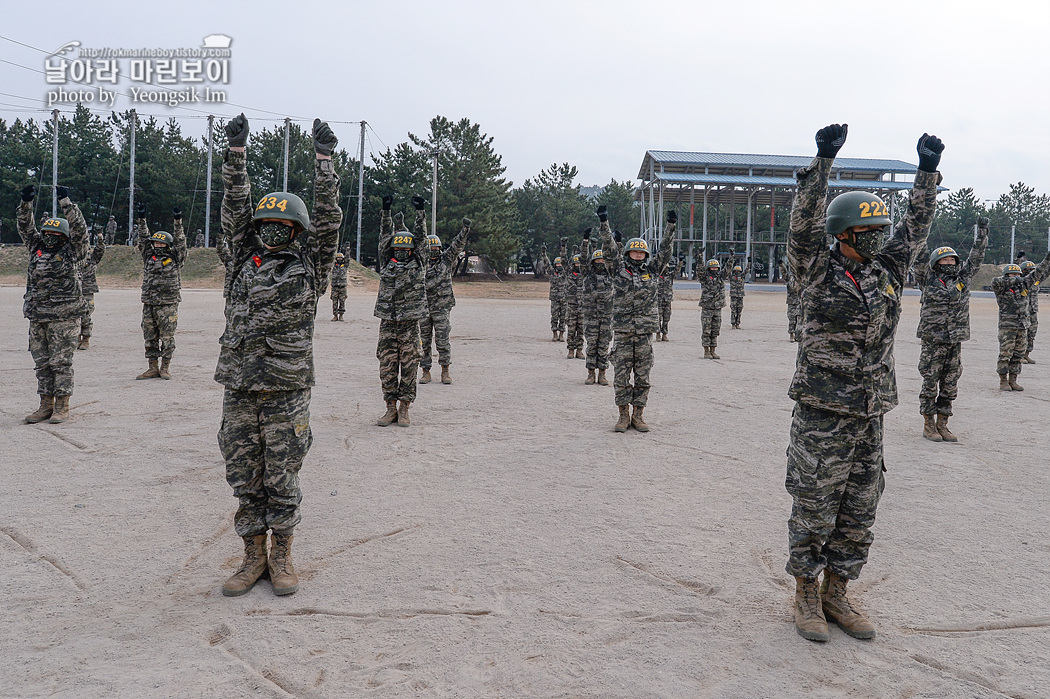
[[55, 225], [163, 237], [403, 239], [1011, 269], [433, 241], [576, 259], [856, 209], [714, 264], [1026, 267], [597, 255], [282, 206], [557, 261], [637, 244], [941, 253]]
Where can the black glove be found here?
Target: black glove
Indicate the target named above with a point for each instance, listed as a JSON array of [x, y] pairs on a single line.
[[564, 242], [29, 192], [62, 192], [617, 236], [587, 234], [543, 248], [176, 213], [983, 222], [929, 148], [602, 215], [324, 140], [418, 203], [140, 210], [672, 216], [388, 201], [237, 131], [830, 139], [467, 222]]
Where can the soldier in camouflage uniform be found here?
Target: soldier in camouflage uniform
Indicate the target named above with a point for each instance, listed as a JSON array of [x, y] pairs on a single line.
[[736, 293], [199, 241], [401, 304], [54, 300], [634, 272], [794, 309], [557, 293], [573, 314], [1012, 291], [712, 301], [163, 255], [665, 294], [844, 378], [89, 283], [1027, 267], [339, 287], [111, 231], [944, 324], [280, 261], [436, 326], [596, 306]]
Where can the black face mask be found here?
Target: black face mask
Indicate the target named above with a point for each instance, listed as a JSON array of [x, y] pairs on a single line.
[[275, 235], [948, 270], [402, 254], [52, 242], [160, 251], [600, 269]]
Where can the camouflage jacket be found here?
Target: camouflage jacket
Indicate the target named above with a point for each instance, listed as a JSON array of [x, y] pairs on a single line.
[[53, 288], [161, 281], [945, 314], [90, 266], [713, 287], [1033, 303], [736, 283], [634, 283], [596, 300], [851, 310], [573, 284], [791, 285], [665, 283], [402, 285], [557, 277], [1012, 294], [268, 344], [439, 274], [111, 231], [222, 249], [339, 281]]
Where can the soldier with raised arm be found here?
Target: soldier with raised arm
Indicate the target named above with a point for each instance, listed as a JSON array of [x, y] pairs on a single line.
[[557, 274], [1027, 267], [844, 378], [339, 284], [712, 301], [436, 327], [163, 255], [596, 306], [1012, 292], [89, 281], [665, 294], [736, 293], [280, 260]]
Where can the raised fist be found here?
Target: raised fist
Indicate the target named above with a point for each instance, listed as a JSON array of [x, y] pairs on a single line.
[[467, 222], [672, 216], [929, 149], [587, 234], [324, 140], [237, 131], [140, 210], [983, 222], [388, 201], [830, 140], [62, 192], [602, 213], [419, 203], [617, 236], [29, 192]]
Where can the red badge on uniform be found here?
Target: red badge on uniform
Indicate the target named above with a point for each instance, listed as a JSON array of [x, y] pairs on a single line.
[[39, 253], [257, 260]]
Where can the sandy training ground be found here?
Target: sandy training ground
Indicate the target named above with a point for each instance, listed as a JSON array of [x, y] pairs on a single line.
[[509, 544]]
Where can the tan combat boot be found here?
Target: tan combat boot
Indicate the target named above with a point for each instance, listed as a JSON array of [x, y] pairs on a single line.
[[151, 373], [554, 335], [426, 377], [580, 354], [637, 421], [61, 412], [402, 414], [390, 416], [335, 317], [590, 377], [163, 372], [570, 355], [1004, 383], [665, 338], [942, 429], [1026, 359], [283, 577], [446, 378], [1014, 386], [809, 617], [85, 342], [707, 352], [713, 355], [625, 419], [839, 609], [252, 567], [929, 429], [602, 381], [47, 406]]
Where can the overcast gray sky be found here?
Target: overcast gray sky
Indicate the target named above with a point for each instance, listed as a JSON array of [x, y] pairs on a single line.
[[596, 84]]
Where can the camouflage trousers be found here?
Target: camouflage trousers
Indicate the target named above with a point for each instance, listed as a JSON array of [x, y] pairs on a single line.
[[434, 330], [736, 307], [710, 326], [940, 365], [794, 318], [573, 327], [557, 315], [632, 353], [338, 302], [52, 344], [264, 438], [398, 353], [664, 304], [1032, 330], [835, 478], [1012, 345], [598, 331], [158, 329], [85, 320]]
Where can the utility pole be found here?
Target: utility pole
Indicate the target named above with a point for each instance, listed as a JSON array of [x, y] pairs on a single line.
[[131, 178], [434, 194], [1013, 236], [287, 128], [207, 198], [360, 189], [54, 165]]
